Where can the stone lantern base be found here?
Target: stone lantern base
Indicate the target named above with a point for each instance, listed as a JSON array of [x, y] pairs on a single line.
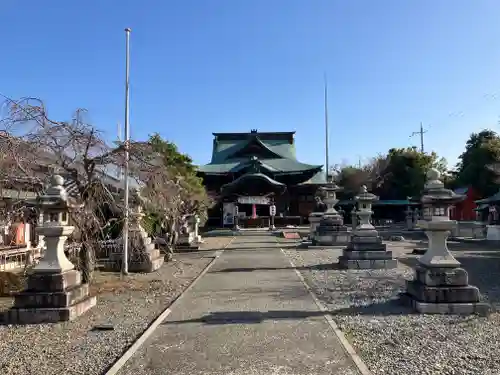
[[443, 291], [366, 251], [50, 298], [331, 231], [314, 219]]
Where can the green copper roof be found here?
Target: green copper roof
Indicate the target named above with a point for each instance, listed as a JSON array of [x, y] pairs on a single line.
[[218, 168], [272, 165], [317, 179], [395, 202], [225, 149], [492, 199]]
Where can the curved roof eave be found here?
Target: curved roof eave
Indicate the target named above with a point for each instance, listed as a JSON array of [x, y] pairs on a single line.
[[247, 176]]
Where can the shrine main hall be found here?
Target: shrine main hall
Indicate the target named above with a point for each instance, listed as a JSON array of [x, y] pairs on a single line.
[[250, 171]]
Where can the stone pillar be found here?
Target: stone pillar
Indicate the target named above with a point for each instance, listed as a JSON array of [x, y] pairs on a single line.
[[440, 285], [272, 213], [54, 288], [366, 250], [354, 218], [41, 241], [236, 217], [416, 217], [409, 218], [197, 236]]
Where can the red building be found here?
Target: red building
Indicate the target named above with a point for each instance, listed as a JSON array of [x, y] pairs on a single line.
[[465, 210]]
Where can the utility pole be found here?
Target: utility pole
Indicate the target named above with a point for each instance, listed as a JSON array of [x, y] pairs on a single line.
[[127, 144], [421, 132], [327, 166]]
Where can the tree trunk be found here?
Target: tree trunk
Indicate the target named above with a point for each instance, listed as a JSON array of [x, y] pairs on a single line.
[[87, 262]]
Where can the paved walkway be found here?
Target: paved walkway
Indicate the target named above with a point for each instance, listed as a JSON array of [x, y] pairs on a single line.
[[250, 314]]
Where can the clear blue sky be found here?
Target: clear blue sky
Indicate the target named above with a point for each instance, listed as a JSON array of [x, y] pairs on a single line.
[[203, 66]]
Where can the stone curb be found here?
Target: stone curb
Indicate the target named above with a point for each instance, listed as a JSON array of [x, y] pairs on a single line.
[[120, 362], [346, 345]]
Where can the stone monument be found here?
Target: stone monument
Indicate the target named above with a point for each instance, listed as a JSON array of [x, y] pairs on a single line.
[[187, 238], [331, 229], [366, 250], [440, 285], [144, 257], [54, 290]]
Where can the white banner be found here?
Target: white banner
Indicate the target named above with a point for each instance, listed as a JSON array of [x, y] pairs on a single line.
[[228, 213], [254, 200]]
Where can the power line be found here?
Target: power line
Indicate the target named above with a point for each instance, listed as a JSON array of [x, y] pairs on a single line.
[[421, 132]]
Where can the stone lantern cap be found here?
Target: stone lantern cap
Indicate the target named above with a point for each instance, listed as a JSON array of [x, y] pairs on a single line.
[[56, 196], [365, 196], [328, 194], [435, 193], [331, 186]]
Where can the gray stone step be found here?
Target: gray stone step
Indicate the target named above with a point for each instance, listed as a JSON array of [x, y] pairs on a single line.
[[366, 255], [367, 264]]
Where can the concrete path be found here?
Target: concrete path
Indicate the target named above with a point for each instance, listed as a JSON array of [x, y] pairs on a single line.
[[250, 314]]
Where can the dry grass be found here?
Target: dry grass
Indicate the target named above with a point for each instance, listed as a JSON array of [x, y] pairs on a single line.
[[11, 282], [215, 243]]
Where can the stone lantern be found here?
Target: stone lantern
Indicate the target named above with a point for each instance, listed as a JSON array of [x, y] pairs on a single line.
[[440, 285], [366, 250], [331, 229], [54, 289]]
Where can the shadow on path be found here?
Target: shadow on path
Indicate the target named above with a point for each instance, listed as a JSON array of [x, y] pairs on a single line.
[[392, 307], [319, 267]]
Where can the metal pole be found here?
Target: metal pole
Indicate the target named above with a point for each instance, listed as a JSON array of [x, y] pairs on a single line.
[[326, 130], [421, 138], [126, 153]]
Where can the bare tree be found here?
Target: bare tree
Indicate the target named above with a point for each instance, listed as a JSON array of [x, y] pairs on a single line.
[[73, 149], [77, 150]]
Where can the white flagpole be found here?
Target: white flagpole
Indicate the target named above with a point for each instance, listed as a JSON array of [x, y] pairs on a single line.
[[327, 166], [127, 143]]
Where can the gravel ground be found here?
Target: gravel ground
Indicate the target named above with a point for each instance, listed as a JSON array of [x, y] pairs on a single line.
[[389, 337], [129, 305]]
